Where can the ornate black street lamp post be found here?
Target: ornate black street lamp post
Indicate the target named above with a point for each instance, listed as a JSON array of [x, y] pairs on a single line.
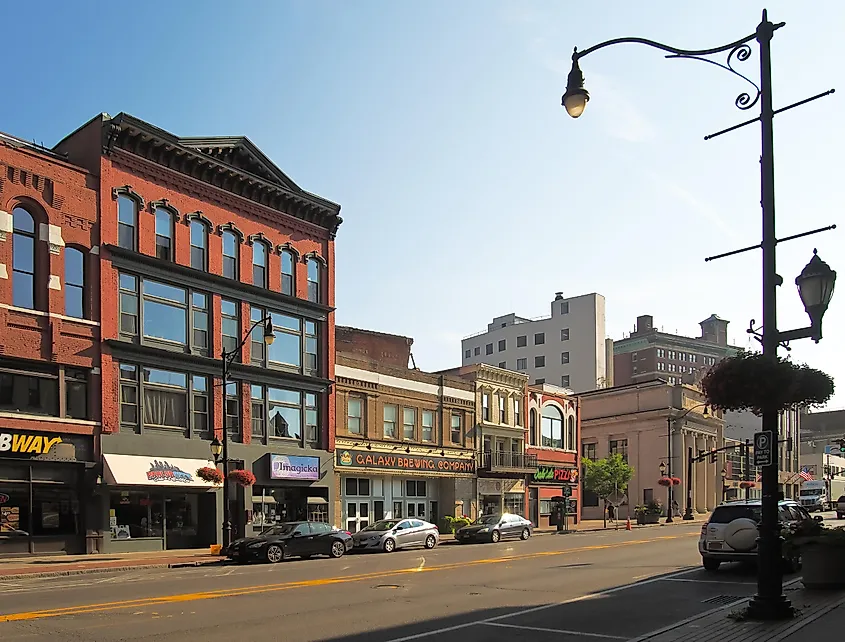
[[816, 282], [220, 450]]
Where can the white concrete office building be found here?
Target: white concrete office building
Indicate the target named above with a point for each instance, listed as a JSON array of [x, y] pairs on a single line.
[[565, 349]]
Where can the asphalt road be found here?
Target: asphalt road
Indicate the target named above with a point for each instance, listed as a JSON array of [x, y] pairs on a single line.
[[591, 586]]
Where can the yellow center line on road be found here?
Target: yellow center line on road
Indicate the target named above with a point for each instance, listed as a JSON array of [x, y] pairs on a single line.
[[268, 588]]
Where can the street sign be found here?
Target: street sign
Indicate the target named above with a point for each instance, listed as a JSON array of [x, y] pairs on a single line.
[[763, 445], [832, 450], [567, 491]]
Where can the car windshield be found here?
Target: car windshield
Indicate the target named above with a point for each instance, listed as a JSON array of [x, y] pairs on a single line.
[[281, 529], [383, 525], [488, 519], [811, 491], [841, 499], [727, 514]]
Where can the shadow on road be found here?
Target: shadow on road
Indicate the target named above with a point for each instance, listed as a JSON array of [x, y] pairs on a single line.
[[621, 612]]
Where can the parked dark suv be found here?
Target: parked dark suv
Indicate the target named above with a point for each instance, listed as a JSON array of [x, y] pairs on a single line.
[[291, 539]]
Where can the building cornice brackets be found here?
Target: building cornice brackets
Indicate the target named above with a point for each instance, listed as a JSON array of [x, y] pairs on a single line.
[[126, 190], [230, 227]]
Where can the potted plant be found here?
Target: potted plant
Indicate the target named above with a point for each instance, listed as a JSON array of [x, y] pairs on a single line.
[[210, 475], [676, 481], [648, 513], [746, 484], [821, 551], [752, 381], [665, 481], [454, 524], [241, 477]]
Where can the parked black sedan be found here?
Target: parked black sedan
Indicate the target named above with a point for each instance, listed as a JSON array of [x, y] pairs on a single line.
[[291, 539], [492, 528]]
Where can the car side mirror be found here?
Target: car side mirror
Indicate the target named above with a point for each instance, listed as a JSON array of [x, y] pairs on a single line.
[[818, 518]]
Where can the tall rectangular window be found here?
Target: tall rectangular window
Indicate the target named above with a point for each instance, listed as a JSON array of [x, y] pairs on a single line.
[[199, 245], [23, 259], [199, 324], [502, 409], [314, 285], [409, 423], [619, 447], [517, 416], [74, 283], [230, 327], [259, 418], [284, 413], [564, 381], [312, 424], [165, 312], [588, 451], [76, 393], [564, 334], [164, 234], [129, 305], [286, 349], [488, 349], [230, 255], [354, 415], [199, 406], [539, 338], [165, 403], [129, 397], [503, 344], [232, 405], [564, 357], [521, 341], [428, 425], [390, 412], [259, 264], [540, 361], [127, 223], [521, 364], [456, 431], [485, 406], [311, 362], [288, 263], [256, 340]]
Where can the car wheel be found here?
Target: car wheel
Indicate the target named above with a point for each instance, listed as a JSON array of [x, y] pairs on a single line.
[[525, 534], [338, 549], [495, 537], [275, 554], [430, 541], [389, 545], [710, 564]]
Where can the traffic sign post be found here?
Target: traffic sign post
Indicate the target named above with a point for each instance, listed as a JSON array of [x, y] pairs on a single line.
[[764, 443]]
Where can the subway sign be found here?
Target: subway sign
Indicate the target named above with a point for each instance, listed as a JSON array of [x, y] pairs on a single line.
[[26, 444]]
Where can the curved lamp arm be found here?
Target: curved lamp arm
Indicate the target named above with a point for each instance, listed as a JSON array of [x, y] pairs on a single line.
[[577, 55], [269, 336]]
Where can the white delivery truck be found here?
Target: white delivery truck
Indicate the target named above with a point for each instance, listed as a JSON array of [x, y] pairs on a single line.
[[821, 495]]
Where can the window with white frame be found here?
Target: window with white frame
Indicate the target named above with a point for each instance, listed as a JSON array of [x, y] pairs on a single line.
[[551, 427]]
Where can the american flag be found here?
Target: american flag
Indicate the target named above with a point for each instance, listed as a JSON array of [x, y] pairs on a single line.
[[805, 475], [759, 477]]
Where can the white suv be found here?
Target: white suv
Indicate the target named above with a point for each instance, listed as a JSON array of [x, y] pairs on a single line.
[[731, 533]]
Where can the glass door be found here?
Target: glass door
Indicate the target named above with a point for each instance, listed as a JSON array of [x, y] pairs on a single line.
[[416, 509], [357, 516]]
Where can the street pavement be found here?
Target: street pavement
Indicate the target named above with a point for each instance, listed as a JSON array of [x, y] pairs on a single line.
[[591, 586]]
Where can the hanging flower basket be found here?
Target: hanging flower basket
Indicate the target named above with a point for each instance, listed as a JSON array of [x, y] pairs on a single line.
[[665, 481], [676, 481], [210, 475], [241, 477], [746, 484], [750, 381]]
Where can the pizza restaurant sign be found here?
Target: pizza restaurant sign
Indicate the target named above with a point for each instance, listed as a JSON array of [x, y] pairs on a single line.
[[405, 463], [26, 443], [552, 474]]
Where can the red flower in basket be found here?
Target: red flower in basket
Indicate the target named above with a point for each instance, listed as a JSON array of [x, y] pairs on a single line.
[[241, 477], [665, 481], [676, 481], [746, 484], [210, 475]]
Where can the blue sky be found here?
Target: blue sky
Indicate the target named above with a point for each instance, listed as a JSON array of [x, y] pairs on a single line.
[[466, 190]]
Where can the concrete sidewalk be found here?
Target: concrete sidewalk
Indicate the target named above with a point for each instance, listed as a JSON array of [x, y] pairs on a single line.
[[62, 565]]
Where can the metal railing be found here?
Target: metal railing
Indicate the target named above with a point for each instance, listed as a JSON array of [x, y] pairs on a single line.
[[504, 460]]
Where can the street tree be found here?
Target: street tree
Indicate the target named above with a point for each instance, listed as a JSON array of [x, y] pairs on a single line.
[[607, 476]]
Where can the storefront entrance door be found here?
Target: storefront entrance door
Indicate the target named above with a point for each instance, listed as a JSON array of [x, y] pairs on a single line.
[[357, 516]]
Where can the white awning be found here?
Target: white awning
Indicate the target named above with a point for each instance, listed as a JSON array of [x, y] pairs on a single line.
[[317, 500], [132, 470]]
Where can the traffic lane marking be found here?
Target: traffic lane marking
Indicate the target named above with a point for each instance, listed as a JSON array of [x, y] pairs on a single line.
[[541, 629], [259, 589]]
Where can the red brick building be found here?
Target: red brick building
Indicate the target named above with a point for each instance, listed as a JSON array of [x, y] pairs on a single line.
[[200, 239], [49, 349], [554, 435]]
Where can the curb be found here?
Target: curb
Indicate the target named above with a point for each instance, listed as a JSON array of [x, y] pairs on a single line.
[[110, 569]]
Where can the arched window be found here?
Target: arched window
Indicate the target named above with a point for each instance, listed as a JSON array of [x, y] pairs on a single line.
[[314, 289], [23, 259], [259, 264], [74, 283], [552, 427], [230, 254], [164, 234], [127, 222], [571, 443], [288, 277], [532, 427], [199, 245]]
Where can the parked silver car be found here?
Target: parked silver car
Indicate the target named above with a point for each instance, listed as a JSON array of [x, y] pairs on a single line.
[[390, 534]]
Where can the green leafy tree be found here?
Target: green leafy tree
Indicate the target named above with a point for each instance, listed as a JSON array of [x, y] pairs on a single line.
[[607, 476]]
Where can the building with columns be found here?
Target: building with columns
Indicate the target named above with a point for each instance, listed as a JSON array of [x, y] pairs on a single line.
[[636, 421]]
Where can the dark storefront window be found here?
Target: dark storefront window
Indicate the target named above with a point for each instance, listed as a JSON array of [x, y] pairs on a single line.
[[38, 507], [76, 393]]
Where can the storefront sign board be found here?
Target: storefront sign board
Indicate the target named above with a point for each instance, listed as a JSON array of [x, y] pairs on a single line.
[[134, 470], [292, 467], [552, 474], [405, 463]]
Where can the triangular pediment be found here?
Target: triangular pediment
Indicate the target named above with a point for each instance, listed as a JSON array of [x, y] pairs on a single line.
[[241, 153]]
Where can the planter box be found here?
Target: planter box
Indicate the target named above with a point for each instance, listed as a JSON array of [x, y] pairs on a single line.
[[651, 518], [823, 567]]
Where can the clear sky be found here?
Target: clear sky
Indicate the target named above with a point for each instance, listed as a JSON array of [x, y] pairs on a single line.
[[467, 191]]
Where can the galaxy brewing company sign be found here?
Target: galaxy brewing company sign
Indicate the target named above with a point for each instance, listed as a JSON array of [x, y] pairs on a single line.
[[406, 463], [291, 467]]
